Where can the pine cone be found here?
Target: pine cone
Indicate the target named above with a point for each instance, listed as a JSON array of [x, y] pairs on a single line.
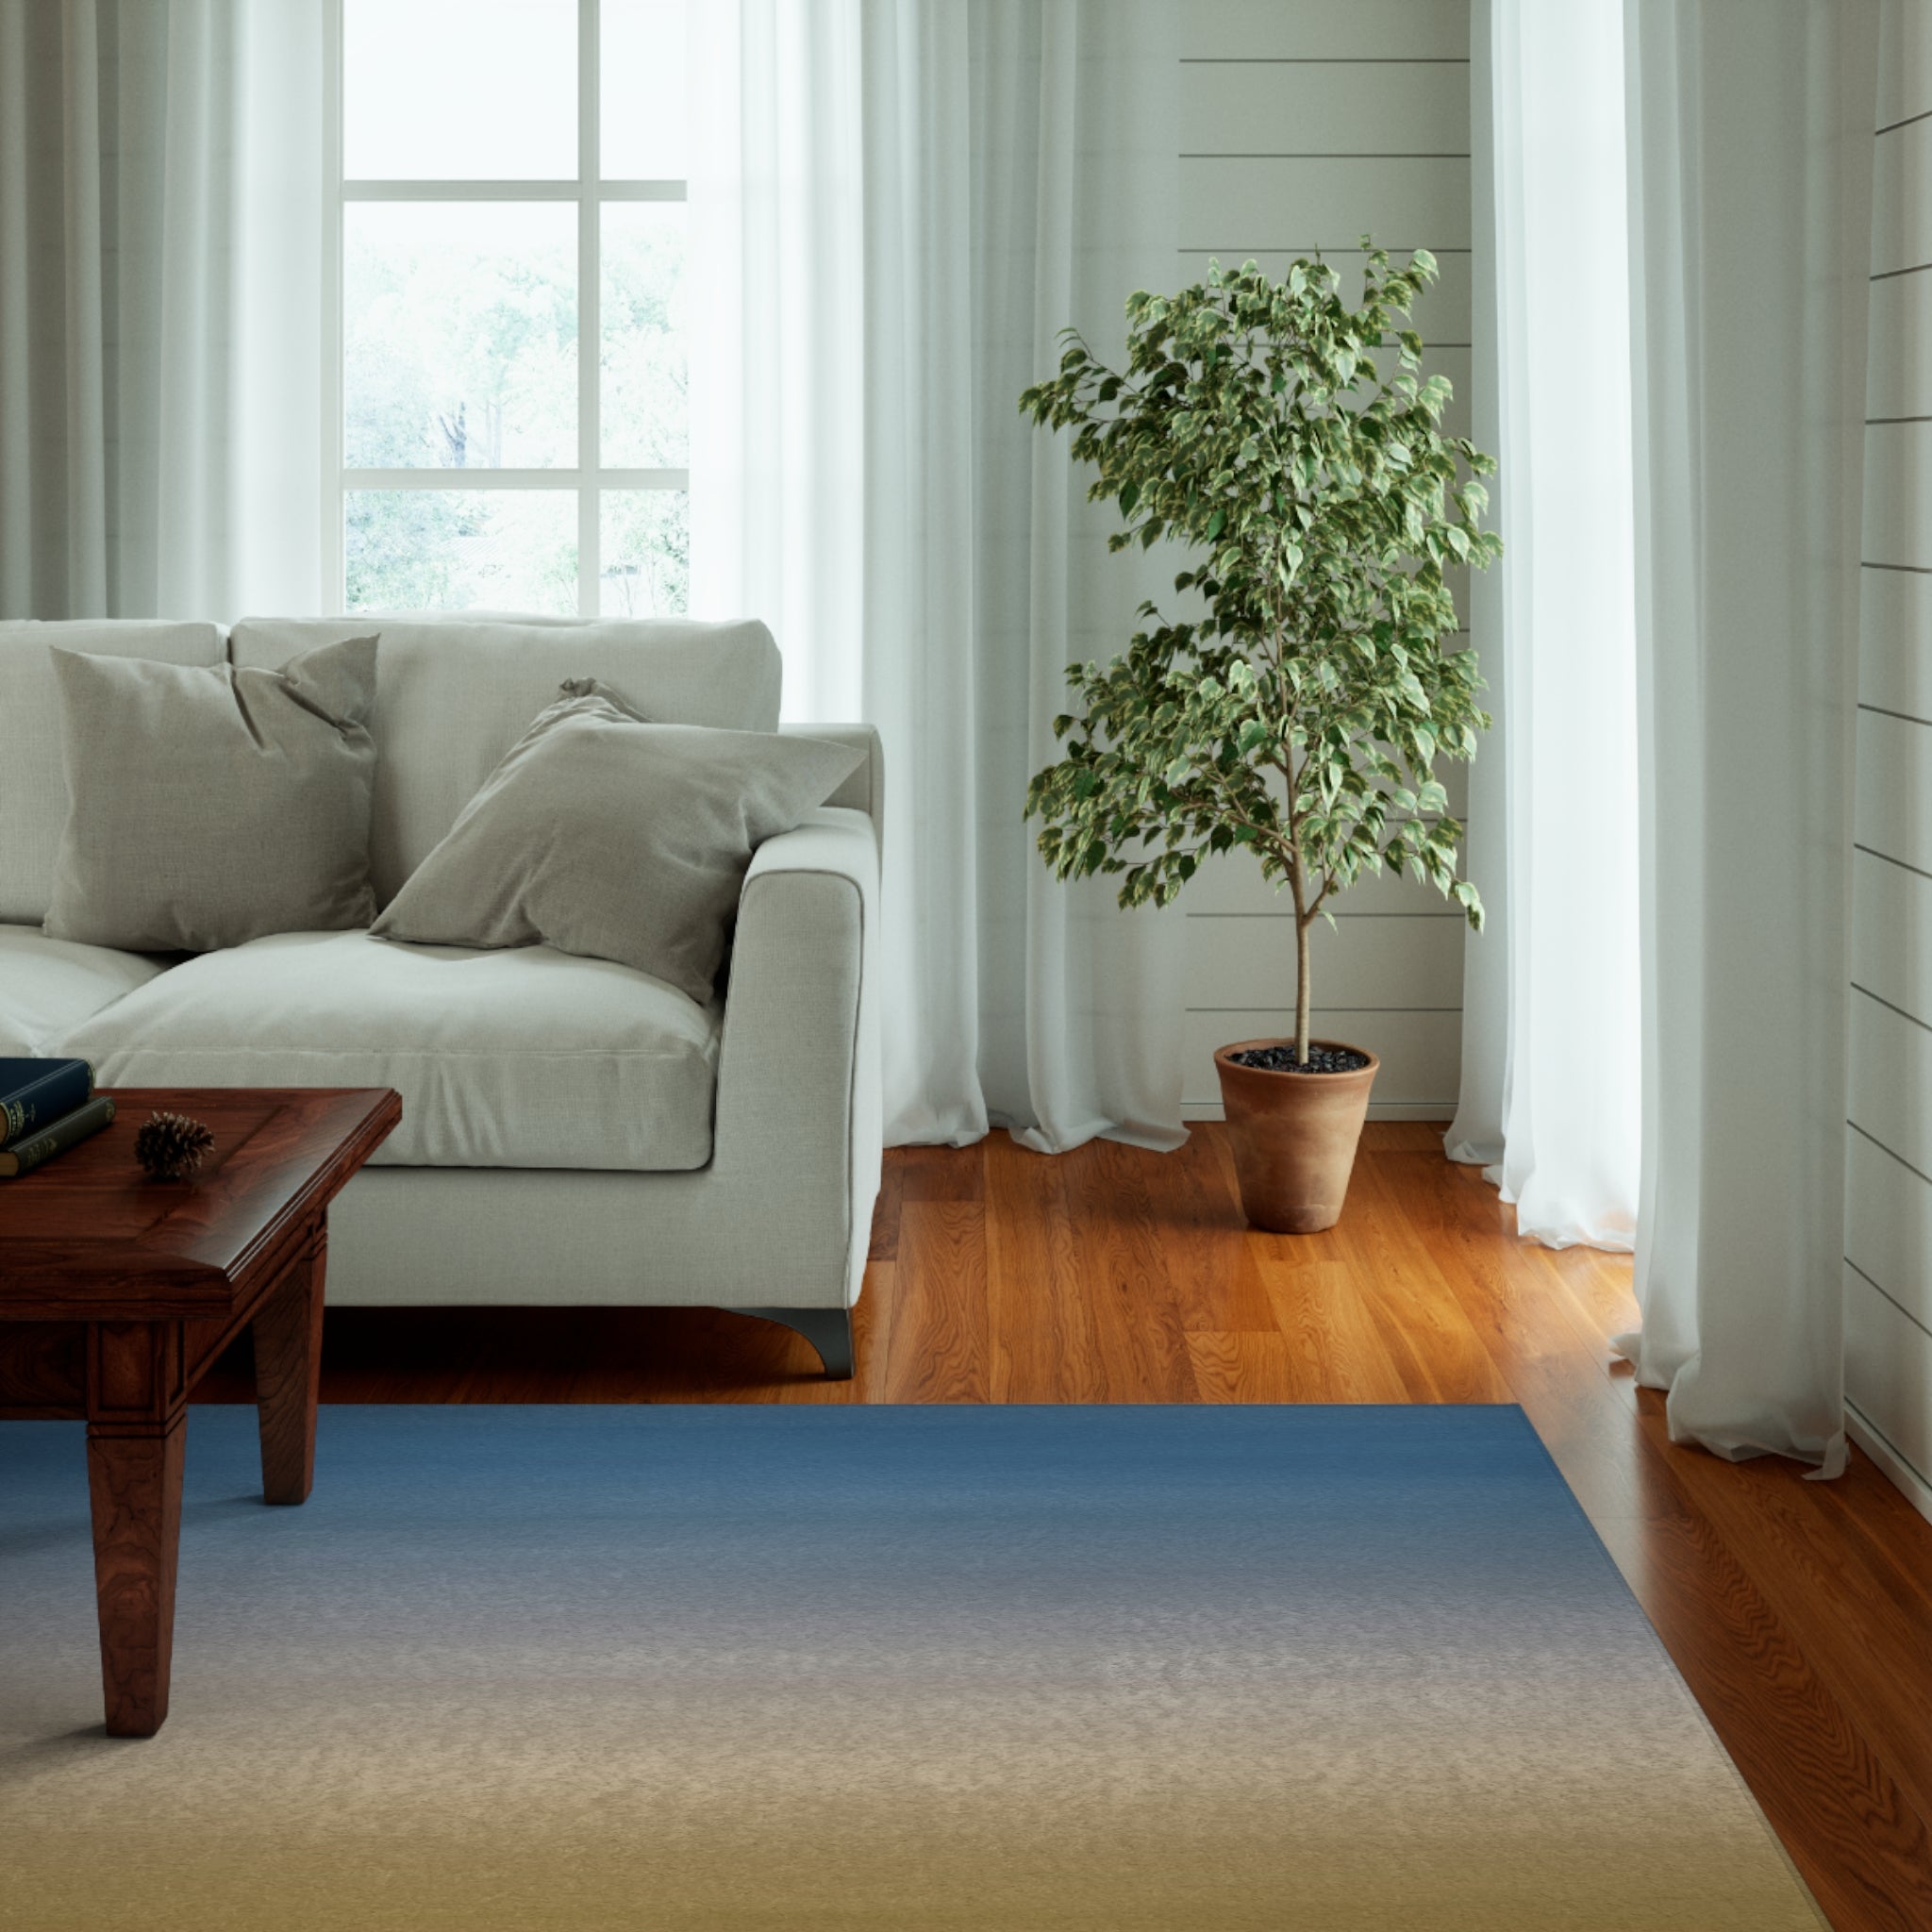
[[171, 1146]]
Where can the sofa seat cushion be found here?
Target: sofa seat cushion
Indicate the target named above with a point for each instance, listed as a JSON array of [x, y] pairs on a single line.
[[526, 1058], [49, 986]]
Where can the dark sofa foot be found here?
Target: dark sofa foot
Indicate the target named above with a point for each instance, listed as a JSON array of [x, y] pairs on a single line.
[[829, 1330]]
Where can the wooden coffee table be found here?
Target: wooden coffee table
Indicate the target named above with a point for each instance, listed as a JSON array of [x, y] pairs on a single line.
[[117, 1291]]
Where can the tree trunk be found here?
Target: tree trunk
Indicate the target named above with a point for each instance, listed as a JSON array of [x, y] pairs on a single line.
[[1301, 957], [1301, 989]]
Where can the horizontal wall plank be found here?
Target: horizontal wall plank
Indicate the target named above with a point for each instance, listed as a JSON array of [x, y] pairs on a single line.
[[1891, 934], [1896, 641], [1905, 60], [1421, 1053], [1442, 314], [1902, 199], [1238, 208], [1889, 1089], [1894, 779], [1233, 883], [1898, 493], [1370, 106], [1888, 1370], [1323, 29], [1401, 962], [1888, 1225], [1898, 370]]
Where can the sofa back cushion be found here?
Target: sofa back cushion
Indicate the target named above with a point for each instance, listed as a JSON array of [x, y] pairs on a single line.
[[452, 697], [33, 787]]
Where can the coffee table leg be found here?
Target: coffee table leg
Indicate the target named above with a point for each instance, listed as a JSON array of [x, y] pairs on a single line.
[[288, 1374], [134, 1481]]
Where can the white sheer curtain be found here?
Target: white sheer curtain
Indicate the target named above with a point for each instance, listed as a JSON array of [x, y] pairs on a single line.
[[1550, 1095], [1751, 170], [895, 207], [161, 308]]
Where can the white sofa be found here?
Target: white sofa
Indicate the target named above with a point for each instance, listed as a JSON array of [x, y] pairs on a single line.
[[573, 1131]]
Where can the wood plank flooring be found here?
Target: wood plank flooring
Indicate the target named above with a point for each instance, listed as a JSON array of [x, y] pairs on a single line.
[[1800, 1612]]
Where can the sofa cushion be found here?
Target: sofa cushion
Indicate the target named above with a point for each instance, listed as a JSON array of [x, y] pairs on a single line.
[[209, 806], [33, 788], [615, 838], [48, 987], [452, 697], [523, 1059]]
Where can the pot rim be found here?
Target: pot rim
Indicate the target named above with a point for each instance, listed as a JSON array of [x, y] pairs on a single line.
[[1222, 1058]]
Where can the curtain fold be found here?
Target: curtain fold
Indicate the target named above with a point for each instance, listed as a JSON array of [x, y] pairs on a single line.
[[894, 214], [1551, 1027], [160, 252], [1750, 189], [1476, 1135]]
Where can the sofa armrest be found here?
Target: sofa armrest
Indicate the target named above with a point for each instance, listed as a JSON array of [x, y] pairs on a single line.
[[866, 787], [799, 1106]]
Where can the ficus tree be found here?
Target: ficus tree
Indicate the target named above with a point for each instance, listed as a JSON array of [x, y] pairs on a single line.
[[1302, 711]]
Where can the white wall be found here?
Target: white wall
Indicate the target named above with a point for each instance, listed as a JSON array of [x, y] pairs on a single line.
[[1889, 1161], [1288, 145]]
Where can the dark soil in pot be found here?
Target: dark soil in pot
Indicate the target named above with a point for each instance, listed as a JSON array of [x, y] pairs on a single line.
[[1322, 1059]]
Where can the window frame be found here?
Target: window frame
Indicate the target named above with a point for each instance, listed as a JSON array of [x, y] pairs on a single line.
[[590, 477]]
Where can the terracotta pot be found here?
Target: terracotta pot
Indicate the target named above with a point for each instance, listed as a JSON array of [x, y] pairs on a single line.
[[1294, 1136]]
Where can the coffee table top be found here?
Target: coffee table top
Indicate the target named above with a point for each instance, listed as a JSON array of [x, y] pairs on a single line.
[[90, 1237]]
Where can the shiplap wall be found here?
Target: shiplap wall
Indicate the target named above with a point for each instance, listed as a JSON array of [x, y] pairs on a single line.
[[1889, 1162], [1305, 124]]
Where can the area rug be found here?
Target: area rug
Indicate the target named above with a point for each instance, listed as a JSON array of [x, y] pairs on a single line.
[[688, 1668]]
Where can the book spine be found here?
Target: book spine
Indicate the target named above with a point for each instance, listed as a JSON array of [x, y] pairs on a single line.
[[37, 1149], [33, 1109]]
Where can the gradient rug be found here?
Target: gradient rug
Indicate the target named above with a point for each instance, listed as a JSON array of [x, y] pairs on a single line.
[[1072, 1669]]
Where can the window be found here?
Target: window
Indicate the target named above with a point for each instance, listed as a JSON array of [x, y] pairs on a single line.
[[505, 375]]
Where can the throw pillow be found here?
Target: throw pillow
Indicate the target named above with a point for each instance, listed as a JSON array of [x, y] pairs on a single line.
[[455, 693], [209, 806], [603, 835]]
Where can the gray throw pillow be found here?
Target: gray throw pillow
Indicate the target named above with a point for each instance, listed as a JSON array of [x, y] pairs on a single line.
[[602, 835], [209, 806]]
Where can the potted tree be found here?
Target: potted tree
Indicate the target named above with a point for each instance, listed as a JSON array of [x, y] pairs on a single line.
[[1302, 705]]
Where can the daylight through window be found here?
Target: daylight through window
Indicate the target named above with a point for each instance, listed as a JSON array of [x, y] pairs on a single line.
[[506, 407]]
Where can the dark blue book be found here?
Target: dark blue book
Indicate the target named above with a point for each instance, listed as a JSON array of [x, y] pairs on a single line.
[[36, 1093]]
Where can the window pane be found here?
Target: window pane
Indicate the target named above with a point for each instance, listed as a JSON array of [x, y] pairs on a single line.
[[645, 538], [641, 117], [461, 550], [644, 407], [460, 90], [459, 335]]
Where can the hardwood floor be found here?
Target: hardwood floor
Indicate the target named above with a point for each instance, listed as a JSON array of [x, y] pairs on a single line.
[[1800, 1612]]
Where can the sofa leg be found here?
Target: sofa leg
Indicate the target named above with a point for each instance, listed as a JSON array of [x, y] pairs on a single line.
[[829, 1330]]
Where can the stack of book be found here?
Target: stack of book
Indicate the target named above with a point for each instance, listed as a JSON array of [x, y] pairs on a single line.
[[46, 1106]]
